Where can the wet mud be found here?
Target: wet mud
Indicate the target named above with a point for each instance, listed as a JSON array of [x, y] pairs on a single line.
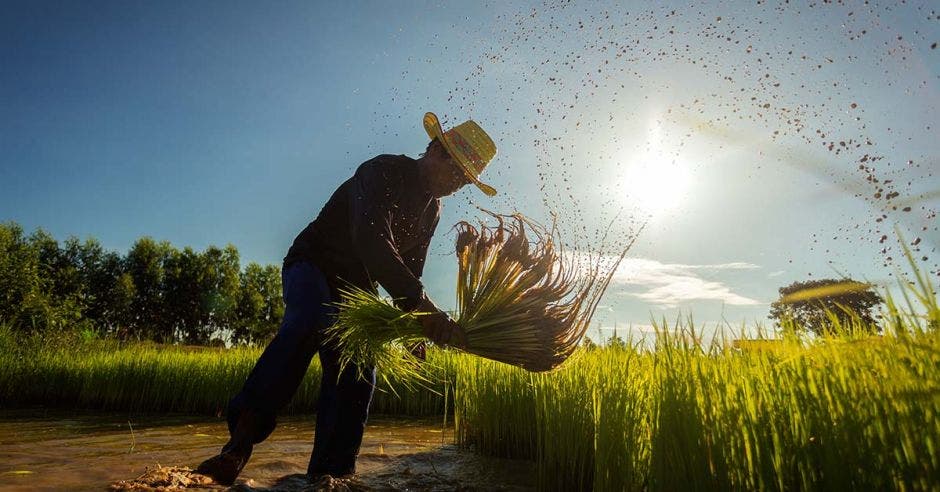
[[94, 451]]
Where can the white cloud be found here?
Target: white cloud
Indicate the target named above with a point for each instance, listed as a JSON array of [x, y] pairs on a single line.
[[776, 274], [669, 284]]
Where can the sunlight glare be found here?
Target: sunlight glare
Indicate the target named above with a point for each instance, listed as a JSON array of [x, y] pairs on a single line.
[[658, 185], [656, 181]]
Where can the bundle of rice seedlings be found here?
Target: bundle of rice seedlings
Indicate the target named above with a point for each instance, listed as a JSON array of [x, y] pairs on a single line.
[[372, 331], [520, 299]]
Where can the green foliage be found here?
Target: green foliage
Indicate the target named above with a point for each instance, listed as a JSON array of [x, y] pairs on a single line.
[[155, 292], [827, 306], [220, 288], [372, 331], [588, 344], [35, 294], [19, 271], [106, 292], [259, 307], [832, 412], [89, 372], [200, 292], [145, 264], [615, 341], [837, 413], [840, 413]]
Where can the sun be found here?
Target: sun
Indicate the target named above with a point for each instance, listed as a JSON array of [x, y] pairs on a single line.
[[657, 179], [657, 185]]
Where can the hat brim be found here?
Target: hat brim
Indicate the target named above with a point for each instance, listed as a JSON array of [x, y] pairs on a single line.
[[433, 126]]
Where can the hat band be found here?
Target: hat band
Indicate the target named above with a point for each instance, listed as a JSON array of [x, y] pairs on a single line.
[[463, 146]]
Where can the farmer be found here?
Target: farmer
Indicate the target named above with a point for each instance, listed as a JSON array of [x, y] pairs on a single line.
[[375, 228]]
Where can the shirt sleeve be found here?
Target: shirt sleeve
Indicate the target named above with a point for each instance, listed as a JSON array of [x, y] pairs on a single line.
[[375, 190]]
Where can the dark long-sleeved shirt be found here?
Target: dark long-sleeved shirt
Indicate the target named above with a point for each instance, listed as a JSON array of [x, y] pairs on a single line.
[[375, 228]]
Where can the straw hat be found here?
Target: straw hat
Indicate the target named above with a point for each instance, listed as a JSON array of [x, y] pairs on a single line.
[[468, 144]]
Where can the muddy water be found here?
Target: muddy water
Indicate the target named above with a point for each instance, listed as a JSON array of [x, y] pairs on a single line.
[[42, 450]]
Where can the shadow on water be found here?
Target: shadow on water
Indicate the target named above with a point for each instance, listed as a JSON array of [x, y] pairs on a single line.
[[56, 450]]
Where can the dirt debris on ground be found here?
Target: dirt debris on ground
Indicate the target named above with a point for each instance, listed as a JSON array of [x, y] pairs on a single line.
[[174, 478], [443, 469], [165, 478]]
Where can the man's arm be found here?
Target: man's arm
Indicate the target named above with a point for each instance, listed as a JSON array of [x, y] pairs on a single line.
[[375, 190], [373, 195], [416, 256]]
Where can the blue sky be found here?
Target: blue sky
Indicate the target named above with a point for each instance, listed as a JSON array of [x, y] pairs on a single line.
[[231, 122]]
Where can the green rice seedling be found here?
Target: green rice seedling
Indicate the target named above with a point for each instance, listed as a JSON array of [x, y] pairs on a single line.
[[374, 332], [837, 412], [830, 413], [520, 301], [142, 377], [489, 420]]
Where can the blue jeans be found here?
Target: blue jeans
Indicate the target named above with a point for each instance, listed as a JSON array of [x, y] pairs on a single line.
[[343, 405]]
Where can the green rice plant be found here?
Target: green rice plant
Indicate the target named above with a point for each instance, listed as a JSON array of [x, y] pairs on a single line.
[[372, 331], [830, 413], [143, 377], [848, 411], [489, 420], [839, 412], [520, 301]]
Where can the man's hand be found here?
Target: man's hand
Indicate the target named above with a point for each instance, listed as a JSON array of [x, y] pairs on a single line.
[[442, 330], [439, 327]]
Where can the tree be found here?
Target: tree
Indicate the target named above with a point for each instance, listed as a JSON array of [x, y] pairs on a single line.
[[220, 286], [122, 301], [59, 267], [182, 290], [39, 289], [145, 264], [200, 293], [588, 344], [827, 306], [104, 292], [156, 292], [614, 341], [20, 283], [260, 306]]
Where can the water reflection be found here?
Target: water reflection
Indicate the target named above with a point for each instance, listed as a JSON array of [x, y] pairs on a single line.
[[54, 450]]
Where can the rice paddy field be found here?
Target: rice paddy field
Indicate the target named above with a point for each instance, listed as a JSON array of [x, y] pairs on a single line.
[[147, 377], [845, 414], [839, 413], [853, 411]]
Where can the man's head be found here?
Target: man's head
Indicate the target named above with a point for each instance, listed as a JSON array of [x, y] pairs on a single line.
[[469, 146], [441, 173]]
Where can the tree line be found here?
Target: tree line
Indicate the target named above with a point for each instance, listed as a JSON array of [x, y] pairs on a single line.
[[153, 292], [161, 293]]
